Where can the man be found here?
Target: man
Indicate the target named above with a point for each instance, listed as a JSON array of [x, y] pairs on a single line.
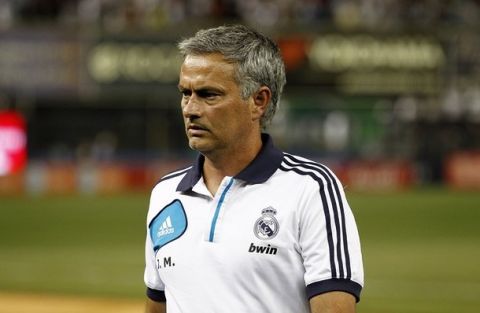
[[247, 228]]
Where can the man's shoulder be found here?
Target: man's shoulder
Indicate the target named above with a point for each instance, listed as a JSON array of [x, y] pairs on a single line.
[[307, 168], [165, 191], [172, 178]]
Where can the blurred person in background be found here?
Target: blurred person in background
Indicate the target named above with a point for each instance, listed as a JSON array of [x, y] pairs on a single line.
[[246, 228]]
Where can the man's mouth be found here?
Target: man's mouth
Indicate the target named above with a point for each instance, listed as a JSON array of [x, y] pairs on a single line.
[[194, 129]]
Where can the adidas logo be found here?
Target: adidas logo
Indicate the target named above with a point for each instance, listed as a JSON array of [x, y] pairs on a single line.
[[166, 228]]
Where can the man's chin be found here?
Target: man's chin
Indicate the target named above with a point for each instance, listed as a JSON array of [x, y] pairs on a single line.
[[198, 144]]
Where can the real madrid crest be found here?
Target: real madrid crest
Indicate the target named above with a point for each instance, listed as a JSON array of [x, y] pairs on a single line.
[[266, 227]]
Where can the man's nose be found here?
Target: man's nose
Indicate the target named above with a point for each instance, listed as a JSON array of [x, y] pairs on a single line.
[[191, 107]]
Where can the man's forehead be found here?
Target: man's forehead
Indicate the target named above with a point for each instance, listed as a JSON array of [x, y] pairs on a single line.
[[206, 68]]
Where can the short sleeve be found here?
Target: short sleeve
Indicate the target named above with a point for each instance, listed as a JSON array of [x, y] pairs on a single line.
[[155, 286], [329, 239], [151, 277]]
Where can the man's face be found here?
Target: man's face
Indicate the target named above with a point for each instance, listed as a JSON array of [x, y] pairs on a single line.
[[215, 115]]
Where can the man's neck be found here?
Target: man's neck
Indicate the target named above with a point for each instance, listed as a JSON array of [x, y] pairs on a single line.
[[220, 164]]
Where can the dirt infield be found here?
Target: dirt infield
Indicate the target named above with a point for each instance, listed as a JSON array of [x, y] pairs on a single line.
[[34, 303]]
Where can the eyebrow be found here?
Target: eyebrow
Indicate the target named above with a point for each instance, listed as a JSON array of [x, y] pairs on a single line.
[[201, 89]]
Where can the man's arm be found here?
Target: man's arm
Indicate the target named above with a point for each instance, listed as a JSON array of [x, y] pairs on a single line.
[[155, 307], [333, 302]]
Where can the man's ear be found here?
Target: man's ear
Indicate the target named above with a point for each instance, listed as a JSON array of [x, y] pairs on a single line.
[[261, 100]]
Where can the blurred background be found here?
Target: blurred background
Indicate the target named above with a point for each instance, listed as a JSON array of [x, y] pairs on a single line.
[[387, 93]]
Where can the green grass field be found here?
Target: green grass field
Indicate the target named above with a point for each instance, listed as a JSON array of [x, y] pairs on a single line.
[[421, 248]]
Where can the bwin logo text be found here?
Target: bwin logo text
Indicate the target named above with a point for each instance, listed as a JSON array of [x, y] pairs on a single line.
[[262, 249]]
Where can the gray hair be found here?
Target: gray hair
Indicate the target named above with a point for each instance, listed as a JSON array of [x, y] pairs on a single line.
[[257, 58]]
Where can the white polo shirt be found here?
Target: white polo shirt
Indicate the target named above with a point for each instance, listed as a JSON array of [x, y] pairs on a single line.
[[275, 235]]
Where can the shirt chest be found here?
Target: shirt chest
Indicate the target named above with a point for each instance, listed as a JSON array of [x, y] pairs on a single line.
[[242, 228]]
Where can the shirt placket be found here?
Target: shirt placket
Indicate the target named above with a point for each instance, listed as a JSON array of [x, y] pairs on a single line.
[[218, 208]]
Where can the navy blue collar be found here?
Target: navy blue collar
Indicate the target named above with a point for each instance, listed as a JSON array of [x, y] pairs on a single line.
[[258, 171]]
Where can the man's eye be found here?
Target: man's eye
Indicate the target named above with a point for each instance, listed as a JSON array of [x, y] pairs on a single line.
[[185, 92], [208, 95]]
